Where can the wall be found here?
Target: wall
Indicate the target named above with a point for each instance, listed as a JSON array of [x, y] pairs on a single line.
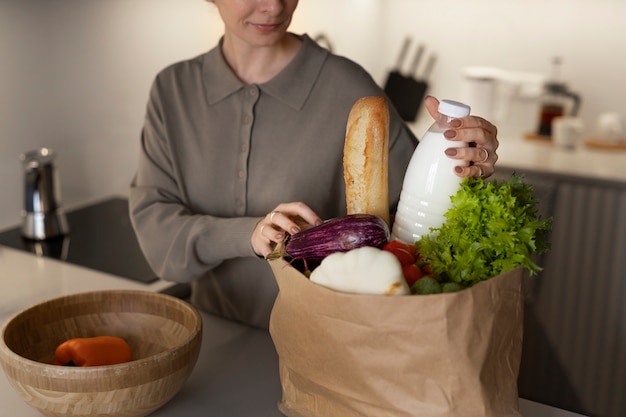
[[74, 75], [524, 36]]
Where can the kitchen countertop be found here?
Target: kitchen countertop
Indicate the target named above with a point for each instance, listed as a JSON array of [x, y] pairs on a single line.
[[583, 161], [518, 152], [237, 371], [26, 279]]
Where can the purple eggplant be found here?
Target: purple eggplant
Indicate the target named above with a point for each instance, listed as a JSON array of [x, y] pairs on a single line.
[[340, 234]]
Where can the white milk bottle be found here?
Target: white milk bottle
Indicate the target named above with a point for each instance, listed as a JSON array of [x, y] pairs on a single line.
[[429, 181]]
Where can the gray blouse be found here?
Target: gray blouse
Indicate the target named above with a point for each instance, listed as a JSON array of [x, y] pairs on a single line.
[[217, 155]]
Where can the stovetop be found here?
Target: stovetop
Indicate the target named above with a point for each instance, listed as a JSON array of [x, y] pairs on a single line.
[[101, 238]]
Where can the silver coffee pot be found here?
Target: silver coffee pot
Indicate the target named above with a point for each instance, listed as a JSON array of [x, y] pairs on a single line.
[[43, 216]]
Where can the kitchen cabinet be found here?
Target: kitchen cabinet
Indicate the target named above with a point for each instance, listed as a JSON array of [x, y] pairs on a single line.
[[574, 352]]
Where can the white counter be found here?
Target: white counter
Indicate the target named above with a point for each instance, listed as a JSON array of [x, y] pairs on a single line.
[[26, 279], [516, 151], [544, 156], [236, 374]]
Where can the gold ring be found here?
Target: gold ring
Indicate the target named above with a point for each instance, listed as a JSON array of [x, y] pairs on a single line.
[[486, 156], [272, 215]]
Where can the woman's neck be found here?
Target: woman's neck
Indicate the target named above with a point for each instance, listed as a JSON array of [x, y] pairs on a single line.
[[259, 64]]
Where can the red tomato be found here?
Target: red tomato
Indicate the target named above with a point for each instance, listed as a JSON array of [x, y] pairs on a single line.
[[394, 244], [413, 250], [426, 270], [411, 273], [402, 252], [403, 256]]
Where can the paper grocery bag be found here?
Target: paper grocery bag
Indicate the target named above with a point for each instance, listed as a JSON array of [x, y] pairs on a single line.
[[343, 355]]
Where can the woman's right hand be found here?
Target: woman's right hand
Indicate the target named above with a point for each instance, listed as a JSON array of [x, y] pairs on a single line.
[[285, 218]]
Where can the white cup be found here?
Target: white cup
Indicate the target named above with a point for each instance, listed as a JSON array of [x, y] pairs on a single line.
[[610, 127], [567, 131]]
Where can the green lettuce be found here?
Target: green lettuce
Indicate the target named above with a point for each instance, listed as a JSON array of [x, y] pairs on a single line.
[[492, 227]]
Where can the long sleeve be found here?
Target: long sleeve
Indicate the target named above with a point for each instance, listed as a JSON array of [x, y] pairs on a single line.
[[216, 155], [176, 239]]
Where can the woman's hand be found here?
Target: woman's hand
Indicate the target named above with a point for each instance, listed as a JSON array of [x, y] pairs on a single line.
[[285, 218], [479, 133]]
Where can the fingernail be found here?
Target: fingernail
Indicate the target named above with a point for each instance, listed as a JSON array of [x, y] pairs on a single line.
[[294, 230], [451, 151], [449, 134], [458, 170], [455, 123]]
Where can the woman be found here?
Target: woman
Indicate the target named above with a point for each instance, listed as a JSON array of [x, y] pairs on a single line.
[[244, 143]]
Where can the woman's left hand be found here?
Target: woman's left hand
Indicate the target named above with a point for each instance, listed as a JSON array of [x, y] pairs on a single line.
[[481, 136]]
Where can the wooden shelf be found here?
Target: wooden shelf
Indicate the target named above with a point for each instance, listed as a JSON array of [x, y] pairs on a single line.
[[603, 144]]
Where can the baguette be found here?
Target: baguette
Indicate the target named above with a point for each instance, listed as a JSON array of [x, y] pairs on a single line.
[[366, 158]]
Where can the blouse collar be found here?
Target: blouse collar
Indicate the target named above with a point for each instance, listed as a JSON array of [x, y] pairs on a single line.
[[292, 85]]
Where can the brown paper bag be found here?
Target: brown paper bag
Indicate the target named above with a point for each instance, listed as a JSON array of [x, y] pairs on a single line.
[[343, 355]]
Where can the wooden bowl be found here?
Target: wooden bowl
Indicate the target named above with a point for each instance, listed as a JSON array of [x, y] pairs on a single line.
[[164, 334]]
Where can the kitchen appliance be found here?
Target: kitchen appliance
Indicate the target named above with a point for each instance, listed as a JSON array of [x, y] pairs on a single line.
[[490, 91], [102, 238], [406, 91], [557, 100], [43, 216]]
